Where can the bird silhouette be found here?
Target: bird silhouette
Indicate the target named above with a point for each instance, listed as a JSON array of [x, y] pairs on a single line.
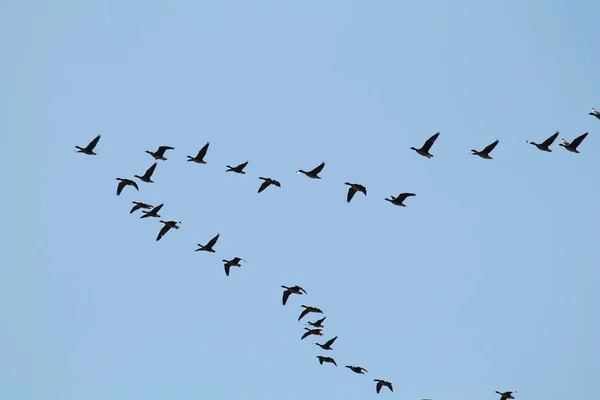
[[209, 245], [125, 182], [485, 153], [313, 173], [200, 156], [424, 150], [160, 153], [89, 149]]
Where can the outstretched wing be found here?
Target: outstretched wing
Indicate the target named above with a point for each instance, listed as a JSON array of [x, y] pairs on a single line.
[[161, 150], [318, 169], [203, 151], [242, 165], [578, 140], [227, 267], [122, 184], [379, 386], [286, 294], [303, 313], [490, 147], [213, 241], [550, 140], [403, 196], [162, 232], [330, 342], [150, 171], [276, 183], [351, 192], [430, 142], [93, 143], [264, 185]]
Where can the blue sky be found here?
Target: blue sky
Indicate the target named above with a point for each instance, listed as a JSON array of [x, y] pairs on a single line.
[[486, 281]]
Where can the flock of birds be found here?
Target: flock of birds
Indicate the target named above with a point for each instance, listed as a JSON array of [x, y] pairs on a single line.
[[316, 327]]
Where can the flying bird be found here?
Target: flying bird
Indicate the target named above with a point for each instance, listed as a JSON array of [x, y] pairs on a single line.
[[382, 383], [125, 182], [327, 345], [309, 332], [572, 147], [168, 225], [485, 153], [153, 212], [318, 323], [399, 201], [89, 149], [595, 113], [138, 205], [309, 309], [209, 245], [237, 169], [291, 290], [146, 177], [234, 262], [314, 173], [354, 187], [267, 182], [424, 151], [545, 145], [160, 153], [323, 359], [506, 395], [358, 370], [200, 157]]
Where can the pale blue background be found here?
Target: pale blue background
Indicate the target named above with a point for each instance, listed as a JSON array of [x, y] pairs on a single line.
[[487, 281]]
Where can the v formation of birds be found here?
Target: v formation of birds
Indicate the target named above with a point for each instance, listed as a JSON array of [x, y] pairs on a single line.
[[316, 327]]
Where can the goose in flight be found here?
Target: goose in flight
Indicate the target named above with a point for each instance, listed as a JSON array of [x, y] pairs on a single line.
[[545, 145], [291, 290], [309, 309], [399, 201], [237, 169], [200, 156], [138, 205], [354, 187], [316, 331], [327, 345], [595, 113], [318, 323], [209, 245], [358, 370], [314, 173], [485, 153], [506, 395], [160, 153], [168, 225], [323, 359], [89, 149], [234, 262], [125, 182], [424, 151], [572, 147], [381, 383], [153, 212], [267, 182], [148, 175]]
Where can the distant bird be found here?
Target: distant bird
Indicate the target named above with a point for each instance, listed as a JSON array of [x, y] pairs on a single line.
[[323, 359], [309, 332], [146, 177], [309, 309], [358, 370], [354, 187], [138, 205], [234, 262], [209, 245], [200, 156], [595, 113], [382, 383], [165, 229], [424, 151], [506, 395], [238, 168], [318, 323], [160, 153], [267, 182], [572, 147], [399, 201], [125, 182], [314, 173], [545, 145], [153, 212], [327, 345], [89, 149], [291, 290], [485, 153]]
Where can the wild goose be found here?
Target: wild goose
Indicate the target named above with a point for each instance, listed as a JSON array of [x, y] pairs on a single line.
[[485, 153], [316, 331], [424, 151], [399, 201], [358, 370], [209, 245], [327, 345], [506, 395], [200, 156], [354, 187], [381, 383], [237, 169], [138, 205], [291, 290], [595, 113], [168, 225], [234, 262], [318, 323], [160, 153], [146, 177], [323, 359], [125, 182], [314, 173], [309, 309], [572, 147], [545, 145], [267, 182], [89, 149], [153, 212]]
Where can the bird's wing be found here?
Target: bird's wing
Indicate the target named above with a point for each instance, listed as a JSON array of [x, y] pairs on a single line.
[[242, 165], [390, 386], [318, 169], [136, 207], [93, 143], [134, 185], [264, 185], [578, 140], [330, 342], [379, 385], [303, 313], [302, 289], [333, 361], [150, 170], [362, 189], [351, 192], [490, 147], [402, 196], [157, 208], [306, 334], [430, 142], [550, 140], [227, 267], [162, 232], [319, 322], [286, 294], [203, 151], [213, 241], [122, 184], [276, 183]]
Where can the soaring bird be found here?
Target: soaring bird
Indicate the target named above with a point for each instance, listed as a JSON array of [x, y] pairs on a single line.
[[200, 157], [314, 173], [168, 225], [327, 345], [160, 153], [354, 187], [545, 145], [153, 212], [382, 383], [318, 323], [424, 151], [291, 290], [267, 182], [485, 153], [138, 205], [358, 370], [146, 177], [125, 182], [234, 262], [506, 395], [323, 359], [399, 201], [209, 245], [572, 147], [309, 332], [309, 309], [89, 149], [595, 113], [238, 168]]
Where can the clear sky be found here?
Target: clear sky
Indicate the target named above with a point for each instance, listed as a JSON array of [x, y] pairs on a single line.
[[487, 280]]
